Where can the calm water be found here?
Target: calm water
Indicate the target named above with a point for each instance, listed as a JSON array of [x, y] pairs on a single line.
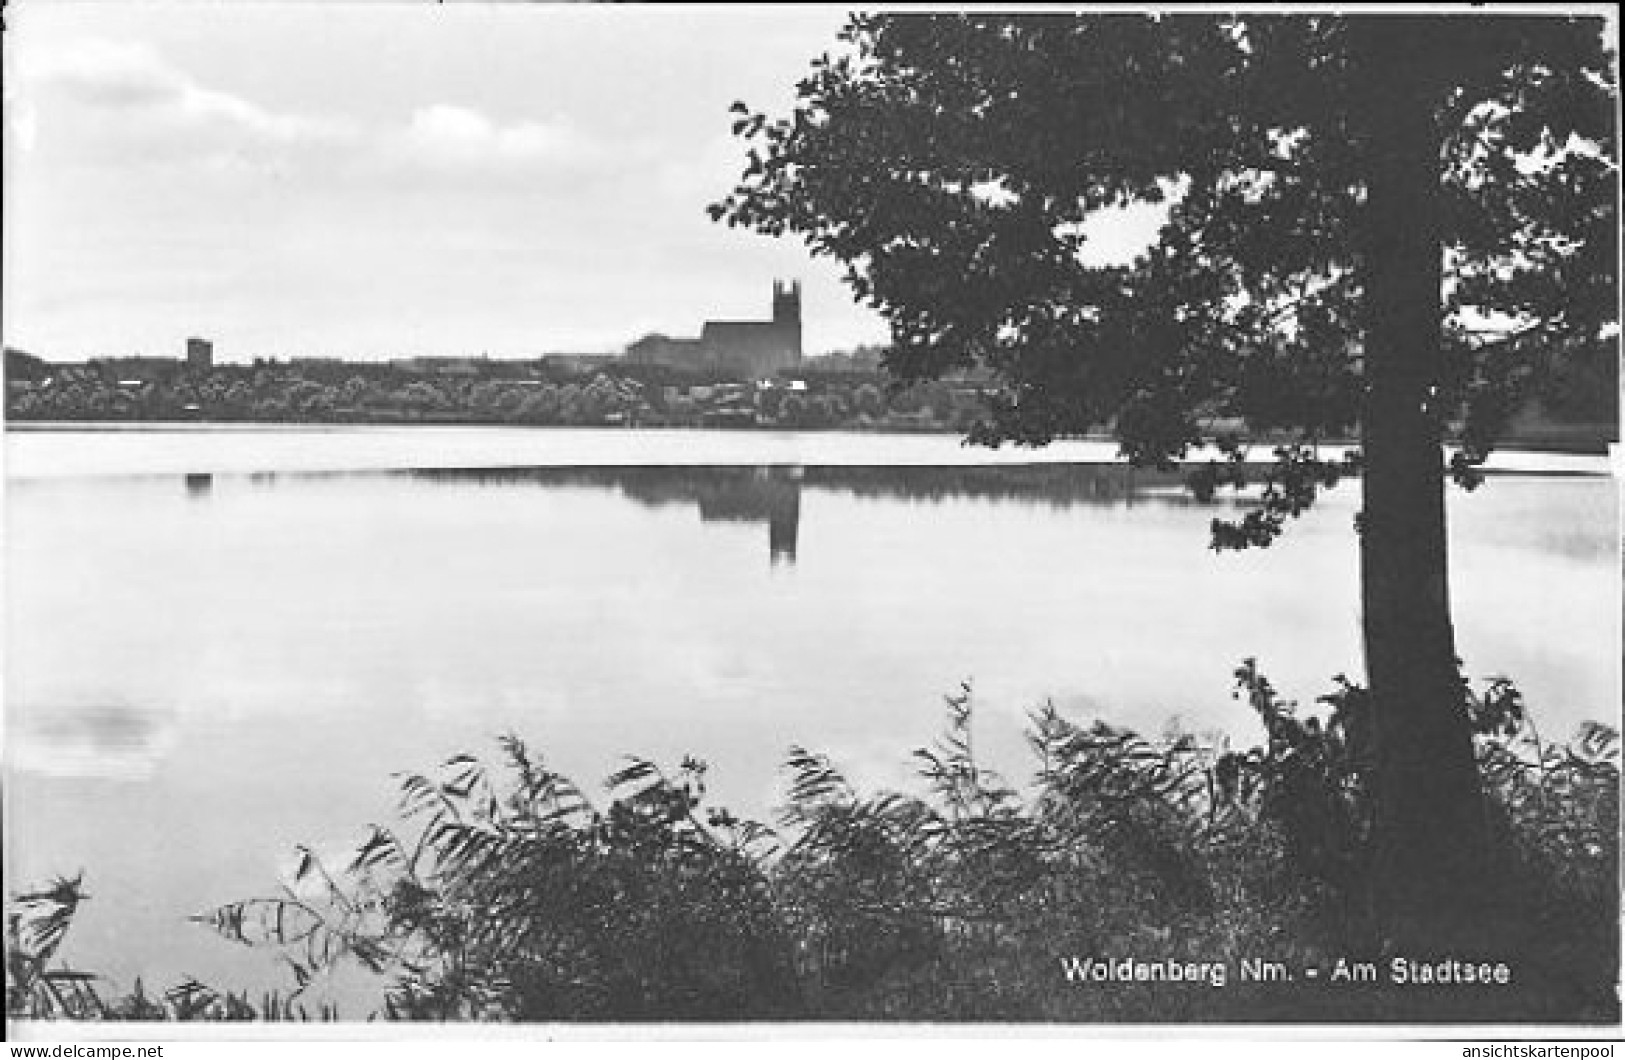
[[222, 643]]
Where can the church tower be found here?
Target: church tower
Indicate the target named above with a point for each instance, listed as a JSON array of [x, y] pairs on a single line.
[[787, 314]]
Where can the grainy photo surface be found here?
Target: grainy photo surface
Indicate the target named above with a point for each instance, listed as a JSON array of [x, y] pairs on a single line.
[[673, 516]]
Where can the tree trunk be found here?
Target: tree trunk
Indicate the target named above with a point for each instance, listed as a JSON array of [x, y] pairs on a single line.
[[1429, 823]]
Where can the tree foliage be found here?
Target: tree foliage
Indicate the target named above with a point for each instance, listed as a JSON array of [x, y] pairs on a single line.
[[1384, 226], [954, 164]]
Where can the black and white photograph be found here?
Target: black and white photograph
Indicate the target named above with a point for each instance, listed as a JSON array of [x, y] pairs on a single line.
[[774, 520]]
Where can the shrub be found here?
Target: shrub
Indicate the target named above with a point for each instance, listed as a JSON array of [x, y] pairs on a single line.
[[37, 924], [527, 902], [510, 895]]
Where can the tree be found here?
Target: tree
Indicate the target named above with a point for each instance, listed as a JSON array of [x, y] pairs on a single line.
[[1386, 227], [869, 401]]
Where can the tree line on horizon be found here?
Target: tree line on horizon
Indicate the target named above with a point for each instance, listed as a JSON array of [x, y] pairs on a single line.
[[1576, 407], [517, 394]]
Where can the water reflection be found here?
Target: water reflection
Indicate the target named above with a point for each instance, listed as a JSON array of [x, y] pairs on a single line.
[[771, 494], [109, 740], [749, 494], [758, 489], [253, 655], [784, 524]]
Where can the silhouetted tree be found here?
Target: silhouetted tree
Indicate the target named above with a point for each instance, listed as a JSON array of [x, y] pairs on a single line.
[[1375, 223]]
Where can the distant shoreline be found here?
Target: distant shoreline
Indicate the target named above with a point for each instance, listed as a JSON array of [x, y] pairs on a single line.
[[447, 446], [1590, 443]]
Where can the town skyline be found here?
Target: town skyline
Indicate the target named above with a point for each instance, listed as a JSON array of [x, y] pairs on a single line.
[[434, 180], [634, 352]]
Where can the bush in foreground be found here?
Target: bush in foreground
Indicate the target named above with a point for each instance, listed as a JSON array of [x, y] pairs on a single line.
[[509, 895]]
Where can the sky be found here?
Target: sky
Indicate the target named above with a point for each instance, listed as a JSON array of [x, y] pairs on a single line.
[[386, 179], [378, 180]]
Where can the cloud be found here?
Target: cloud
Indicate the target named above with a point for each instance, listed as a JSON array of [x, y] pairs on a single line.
[[122, 105], [443, 135], [105, 73], [459, 132], [21, 119], [134, 86], [112, 740]]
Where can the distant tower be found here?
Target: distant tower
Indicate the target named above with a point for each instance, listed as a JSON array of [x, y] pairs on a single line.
[[787, 314], [199, 355]]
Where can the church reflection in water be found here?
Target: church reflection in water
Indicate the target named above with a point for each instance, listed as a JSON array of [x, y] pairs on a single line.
[[771, 494], [748, 494]]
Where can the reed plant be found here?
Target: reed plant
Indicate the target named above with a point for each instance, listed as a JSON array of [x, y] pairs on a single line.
[[507, 892]]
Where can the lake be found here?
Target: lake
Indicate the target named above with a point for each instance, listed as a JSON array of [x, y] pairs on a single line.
[[221, 643]]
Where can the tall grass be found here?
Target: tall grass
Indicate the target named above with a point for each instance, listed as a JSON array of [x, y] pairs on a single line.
[[41, 986], [509, 893]]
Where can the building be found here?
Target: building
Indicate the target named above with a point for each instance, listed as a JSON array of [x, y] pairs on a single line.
[[135, 369], [23, 366], [662, 349], [863, 359], [199, 355], [579, 363], [756, 349], [467, 367]]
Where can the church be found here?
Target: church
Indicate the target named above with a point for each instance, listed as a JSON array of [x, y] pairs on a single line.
[[756, 349]]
